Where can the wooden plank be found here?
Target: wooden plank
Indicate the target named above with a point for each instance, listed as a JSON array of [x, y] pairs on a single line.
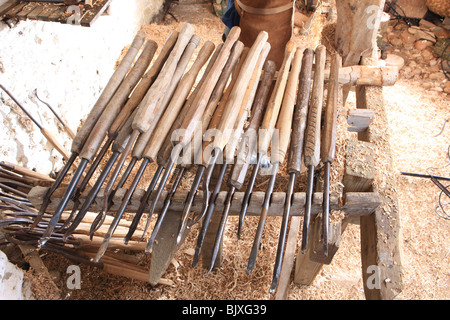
[[13, 11], [22, 15], [48, 10], [56, 15], [359, 119], [92, 15], [34, 14], [6, 6], [354, 204]]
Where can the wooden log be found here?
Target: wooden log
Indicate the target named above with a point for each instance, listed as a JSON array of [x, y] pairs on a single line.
[[366, 75], [354, 204], [380, 231]]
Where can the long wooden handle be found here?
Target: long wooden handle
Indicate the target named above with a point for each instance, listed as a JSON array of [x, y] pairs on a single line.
[[166, 149], [54, 142], [164, 106], [284, 122], [108, 92], [248, 145], [156, 92], [196, 148], [179, 97], [246, 106], [300, 113], [312, 135], [273, 108], [113, 108], [143, 86], [211, 130], [201, 100], [237, 94], [328, 142]]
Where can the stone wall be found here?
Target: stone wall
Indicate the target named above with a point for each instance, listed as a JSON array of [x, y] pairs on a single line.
[[69, 66]]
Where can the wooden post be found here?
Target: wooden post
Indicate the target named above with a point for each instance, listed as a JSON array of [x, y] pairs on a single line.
[[357, 26]]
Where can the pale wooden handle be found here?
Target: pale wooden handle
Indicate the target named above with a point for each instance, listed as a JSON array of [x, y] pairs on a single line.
[[155, 94], [108, 92], [237, 94], [166, 149], [24, 171], [248, 144], [51, 138], [300, 113], [216, 95], [329, 128], [179, 97], [113, 108], [201, 100], [246, 105], [273, 108], [312, 136], [142, 87], [284, 123], [218, 112]]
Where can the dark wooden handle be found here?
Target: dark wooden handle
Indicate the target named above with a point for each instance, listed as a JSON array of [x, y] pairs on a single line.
[[328, 143], [312, 136], [300, 113], [108, 92]]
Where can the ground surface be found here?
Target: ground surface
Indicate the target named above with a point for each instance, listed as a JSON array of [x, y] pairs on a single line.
[[416, 114]]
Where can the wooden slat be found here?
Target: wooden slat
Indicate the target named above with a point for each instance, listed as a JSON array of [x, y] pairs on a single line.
[[56, 15], [92, 15], [11, 13], [22, 15], [6, 6], [48, 10], [34, 14]]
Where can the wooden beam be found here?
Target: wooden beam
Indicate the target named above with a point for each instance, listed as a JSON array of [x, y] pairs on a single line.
[[353, 205]]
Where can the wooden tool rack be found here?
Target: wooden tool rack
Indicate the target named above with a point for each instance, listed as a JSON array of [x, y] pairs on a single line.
[[53, 12], [368, 199]]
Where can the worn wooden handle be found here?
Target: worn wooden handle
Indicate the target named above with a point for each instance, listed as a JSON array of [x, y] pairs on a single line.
[[328, 142], [312, 135], [113, 108], [237, 93], [246, 106], [249, 140], [123, 135], [166, 149], [108, 92], [201, 100], [142, 87], [156, 92], [54, 142], [211, 132], [284, 123], [273, 108], [179, 97], [300, 113], [218, 92]]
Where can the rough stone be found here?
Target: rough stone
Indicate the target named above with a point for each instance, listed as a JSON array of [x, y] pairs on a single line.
[[11, 281]]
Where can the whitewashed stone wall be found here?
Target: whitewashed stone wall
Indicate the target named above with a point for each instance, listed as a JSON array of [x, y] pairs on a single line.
[[69, 66]]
